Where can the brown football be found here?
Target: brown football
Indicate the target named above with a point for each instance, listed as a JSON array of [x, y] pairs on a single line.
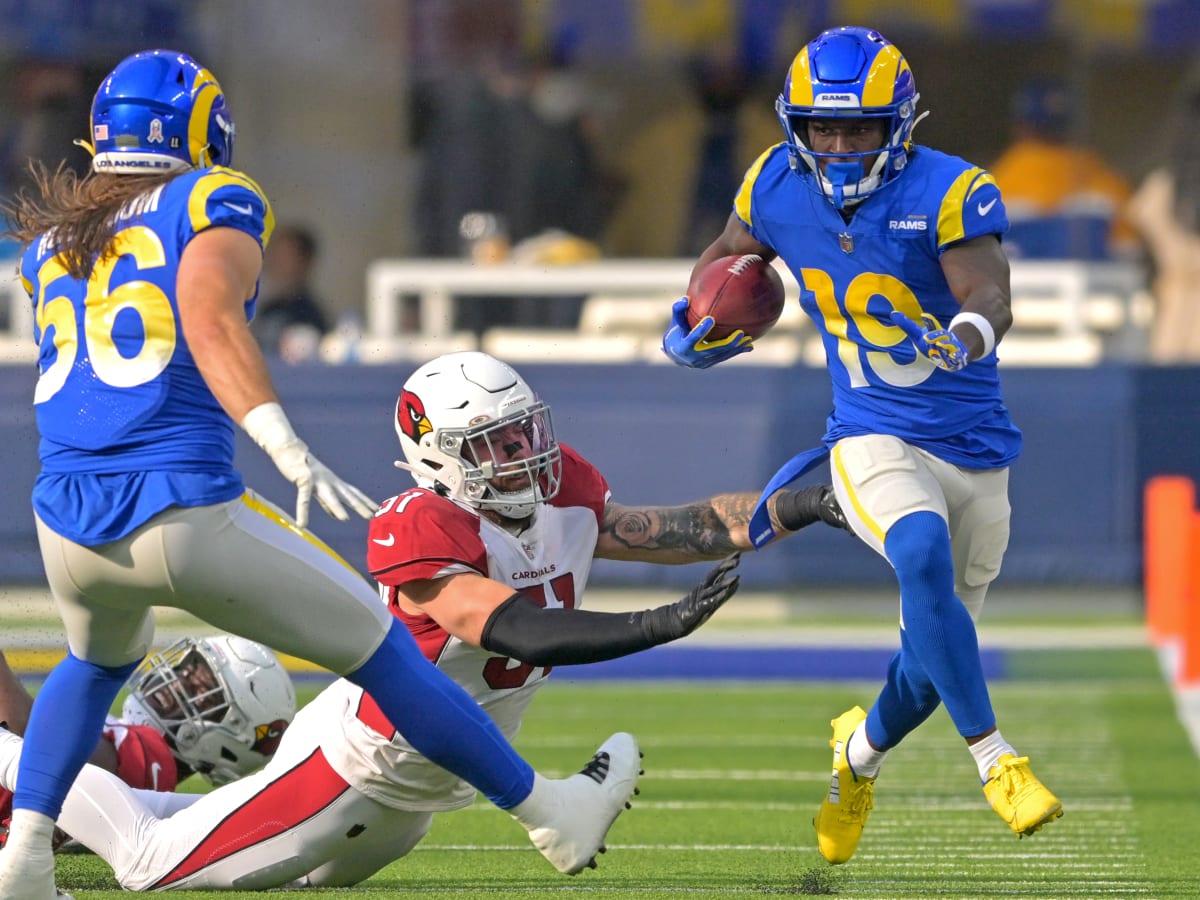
[[739, 292]]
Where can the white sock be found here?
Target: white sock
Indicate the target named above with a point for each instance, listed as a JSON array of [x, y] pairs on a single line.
[[864, 759], [29, 828], [534, 810], [987, 751]]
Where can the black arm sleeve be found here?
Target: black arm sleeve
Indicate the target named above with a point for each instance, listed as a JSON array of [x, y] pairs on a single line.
[[520, 628]]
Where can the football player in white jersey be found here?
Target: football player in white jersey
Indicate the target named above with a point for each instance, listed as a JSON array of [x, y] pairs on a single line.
[[215, 706], [485, 561]]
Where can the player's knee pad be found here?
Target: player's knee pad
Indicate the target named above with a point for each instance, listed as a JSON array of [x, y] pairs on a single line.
[[984, 553]]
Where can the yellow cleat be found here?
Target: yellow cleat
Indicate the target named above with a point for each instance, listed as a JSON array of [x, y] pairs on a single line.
[[843, 813], [1018, 797]]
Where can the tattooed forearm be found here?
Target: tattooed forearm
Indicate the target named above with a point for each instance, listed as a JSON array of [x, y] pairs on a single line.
[[707, 530]]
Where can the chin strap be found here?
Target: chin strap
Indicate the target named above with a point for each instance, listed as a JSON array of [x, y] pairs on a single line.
[[401, 464]]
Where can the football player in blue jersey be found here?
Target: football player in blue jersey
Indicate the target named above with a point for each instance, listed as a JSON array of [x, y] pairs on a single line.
[[143, 276], [896, 248]]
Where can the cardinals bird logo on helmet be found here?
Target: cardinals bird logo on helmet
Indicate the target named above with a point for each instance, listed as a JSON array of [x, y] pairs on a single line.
[[452, 417]]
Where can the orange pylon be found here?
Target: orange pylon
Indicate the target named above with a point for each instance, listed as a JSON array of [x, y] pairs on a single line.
[[1171, 556]]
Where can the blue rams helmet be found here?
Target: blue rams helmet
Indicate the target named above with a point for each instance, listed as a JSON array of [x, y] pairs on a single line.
[[160, 111], [849, 72]]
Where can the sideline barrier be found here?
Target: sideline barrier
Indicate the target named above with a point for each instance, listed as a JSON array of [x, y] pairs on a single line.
[[1172, 572], [1066, 312], [664, 435]]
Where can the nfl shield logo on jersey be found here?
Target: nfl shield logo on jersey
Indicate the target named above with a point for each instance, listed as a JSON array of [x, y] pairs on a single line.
[[846, 242]]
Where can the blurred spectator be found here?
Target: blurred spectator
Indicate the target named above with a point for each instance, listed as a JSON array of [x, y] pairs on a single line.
[[1063, 200], [289, 322], [50, 106], [1166, 209], [512, 139], [511, 143], [681, 171], [47, 108]]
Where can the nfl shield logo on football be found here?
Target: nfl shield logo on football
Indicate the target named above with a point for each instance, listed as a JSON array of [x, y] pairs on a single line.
[[846, 242]]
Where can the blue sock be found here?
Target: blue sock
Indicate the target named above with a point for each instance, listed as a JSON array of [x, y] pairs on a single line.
[[908, 698], [941, 636], [441, 720], [64, 728]]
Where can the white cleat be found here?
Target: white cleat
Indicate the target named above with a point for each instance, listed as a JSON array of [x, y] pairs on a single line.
[[569, 818]]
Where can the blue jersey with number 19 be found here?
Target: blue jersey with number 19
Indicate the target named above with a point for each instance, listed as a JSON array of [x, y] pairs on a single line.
[[128, 426], [853, 275]]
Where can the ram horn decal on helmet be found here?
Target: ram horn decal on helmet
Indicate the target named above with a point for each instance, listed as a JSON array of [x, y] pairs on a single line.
[[849, 72], [160, 111]]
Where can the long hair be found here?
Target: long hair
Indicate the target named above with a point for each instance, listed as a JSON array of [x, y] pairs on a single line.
[[81, 212]]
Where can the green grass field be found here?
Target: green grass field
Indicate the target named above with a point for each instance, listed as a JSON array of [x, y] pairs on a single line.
[[734, 772]]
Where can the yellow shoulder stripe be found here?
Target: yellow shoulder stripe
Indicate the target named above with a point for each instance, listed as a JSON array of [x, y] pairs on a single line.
[[220, 177], [741, 203], [950, 216]]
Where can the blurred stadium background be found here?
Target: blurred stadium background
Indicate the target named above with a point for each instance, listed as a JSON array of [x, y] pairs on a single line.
[[335, 103]]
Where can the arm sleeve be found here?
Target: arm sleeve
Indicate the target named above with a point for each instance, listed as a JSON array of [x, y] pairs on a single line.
[[520, 628]]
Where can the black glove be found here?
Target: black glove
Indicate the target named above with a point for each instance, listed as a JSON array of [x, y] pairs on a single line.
[[796, 509], [674, 620]]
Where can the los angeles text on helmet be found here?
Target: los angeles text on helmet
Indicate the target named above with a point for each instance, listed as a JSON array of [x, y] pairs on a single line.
[[100, 163]]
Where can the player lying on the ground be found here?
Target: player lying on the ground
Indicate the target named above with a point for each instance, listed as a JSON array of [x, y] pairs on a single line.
[[214, 706], [485, 562]]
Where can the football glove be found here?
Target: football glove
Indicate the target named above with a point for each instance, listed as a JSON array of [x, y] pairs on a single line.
[[686, 346], [268, 425], [674, 620], [939, 346]]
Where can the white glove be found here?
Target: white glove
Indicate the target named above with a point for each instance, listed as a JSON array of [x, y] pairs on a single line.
[[268, 425]]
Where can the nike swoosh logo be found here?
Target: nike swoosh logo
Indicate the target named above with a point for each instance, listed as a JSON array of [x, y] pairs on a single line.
[[984, 208], [247, 209], [391, 539], [155, 768]]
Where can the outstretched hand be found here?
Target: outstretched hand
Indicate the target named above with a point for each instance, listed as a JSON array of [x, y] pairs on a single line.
[[939, 346], [311, 476], [675, 620], [268, 426], [686, 346]]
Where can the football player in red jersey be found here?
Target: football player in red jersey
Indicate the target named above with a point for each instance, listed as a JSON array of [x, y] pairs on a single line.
[[485, 561], [214, 706]]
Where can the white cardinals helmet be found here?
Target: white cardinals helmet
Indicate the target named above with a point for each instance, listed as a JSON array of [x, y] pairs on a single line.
[[472, 428], [222, 703]]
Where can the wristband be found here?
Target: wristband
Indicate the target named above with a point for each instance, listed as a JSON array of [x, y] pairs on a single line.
[[268, 426], [980, 324]]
